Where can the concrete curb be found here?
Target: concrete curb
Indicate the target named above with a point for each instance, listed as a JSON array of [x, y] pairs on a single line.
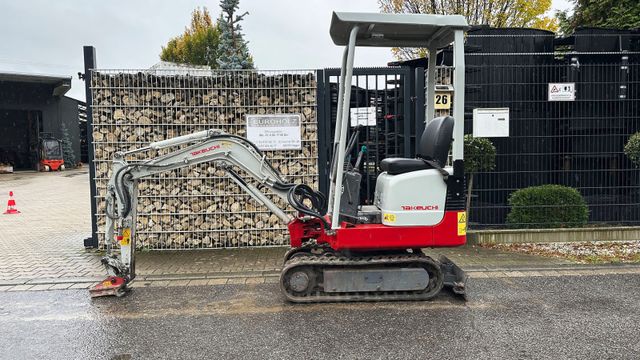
[[512, 236]]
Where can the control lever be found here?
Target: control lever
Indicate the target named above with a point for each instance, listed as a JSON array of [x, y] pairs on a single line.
[[361, 153]]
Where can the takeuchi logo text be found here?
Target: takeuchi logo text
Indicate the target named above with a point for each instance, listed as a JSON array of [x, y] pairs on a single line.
[[205, 150], [419, 207]]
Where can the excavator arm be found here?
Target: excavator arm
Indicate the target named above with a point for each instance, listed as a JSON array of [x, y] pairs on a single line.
[[225, 151]]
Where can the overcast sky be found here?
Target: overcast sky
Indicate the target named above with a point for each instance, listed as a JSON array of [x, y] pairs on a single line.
[[46, 37]]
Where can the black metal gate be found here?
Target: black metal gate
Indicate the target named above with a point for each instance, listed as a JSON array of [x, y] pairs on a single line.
[[575, 143], [385, 99]]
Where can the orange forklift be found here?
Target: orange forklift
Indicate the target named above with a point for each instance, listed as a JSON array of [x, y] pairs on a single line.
[[50, 153]]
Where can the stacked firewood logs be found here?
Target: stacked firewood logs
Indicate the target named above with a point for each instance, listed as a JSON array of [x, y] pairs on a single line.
[[198, 207]]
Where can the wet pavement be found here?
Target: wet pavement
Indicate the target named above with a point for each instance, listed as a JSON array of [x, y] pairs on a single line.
[[579, 317]]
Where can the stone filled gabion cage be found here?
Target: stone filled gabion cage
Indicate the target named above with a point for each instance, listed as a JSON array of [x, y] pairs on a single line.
[[197, 206]]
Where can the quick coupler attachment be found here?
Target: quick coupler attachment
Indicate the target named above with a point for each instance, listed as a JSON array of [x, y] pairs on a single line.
[[111, 286]]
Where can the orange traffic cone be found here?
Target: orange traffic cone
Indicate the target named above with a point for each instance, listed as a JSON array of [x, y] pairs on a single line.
[[11, 205]]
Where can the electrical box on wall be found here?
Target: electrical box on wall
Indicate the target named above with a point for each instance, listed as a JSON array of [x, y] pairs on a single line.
[[491, 122]]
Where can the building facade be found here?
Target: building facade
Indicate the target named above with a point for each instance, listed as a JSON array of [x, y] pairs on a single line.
[[33, 106]]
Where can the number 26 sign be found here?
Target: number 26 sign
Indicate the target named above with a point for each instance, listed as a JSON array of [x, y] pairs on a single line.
[[443, 100]]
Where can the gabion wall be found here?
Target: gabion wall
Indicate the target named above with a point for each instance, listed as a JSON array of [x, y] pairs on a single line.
[[197, 207]]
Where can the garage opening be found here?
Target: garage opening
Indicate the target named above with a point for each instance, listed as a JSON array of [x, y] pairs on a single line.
[[20, 131]]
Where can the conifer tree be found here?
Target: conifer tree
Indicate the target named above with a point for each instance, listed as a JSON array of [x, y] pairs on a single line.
[[232, 49], [68, 154]]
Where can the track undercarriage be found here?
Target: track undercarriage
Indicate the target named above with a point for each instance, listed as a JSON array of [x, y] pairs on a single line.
[[320, 274]]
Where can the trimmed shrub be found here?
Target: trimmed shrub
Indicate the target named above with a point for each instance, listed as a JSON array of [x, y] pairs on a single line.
[[547, 206], [479, 154], [632, 148]]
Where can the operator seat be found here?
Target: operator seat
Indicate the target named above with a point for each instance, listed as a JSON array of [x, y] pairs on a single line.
[[434, 145]]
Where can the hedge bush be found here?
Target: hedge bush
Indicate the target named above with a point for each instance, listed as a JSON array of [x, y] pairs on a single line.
[[547, 206]]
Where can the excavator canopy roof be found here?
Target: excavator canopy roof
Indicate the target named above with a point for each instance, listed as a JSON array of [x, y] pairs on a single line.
[[396, 30]]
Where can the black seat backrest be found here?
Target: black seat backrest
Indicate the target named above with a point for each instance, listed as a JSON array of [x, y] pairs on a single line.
[[436, 140]]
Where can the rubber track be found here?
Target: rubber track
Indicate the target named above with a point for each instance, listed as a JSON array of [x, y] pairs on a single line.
[[320, 262]]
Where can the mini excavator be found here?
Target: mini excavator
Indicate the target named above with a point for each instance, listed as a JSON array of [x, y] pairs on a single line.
[[338, 252]]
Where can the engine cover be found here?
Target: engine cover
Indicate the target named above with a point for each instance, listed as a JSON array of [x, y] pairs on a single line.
[[416, 198]]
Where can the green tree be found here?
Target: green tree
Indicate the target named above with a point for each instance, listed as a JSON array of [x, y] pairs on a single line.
[[496, 13], [617, 14], [198, 45], [68, 155], [233, 51], [479, 155]]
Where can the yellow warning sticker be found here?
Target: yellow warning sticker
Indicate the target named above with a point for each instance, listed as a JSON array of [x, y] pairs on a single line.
[[126, 237], [389, 217], [462, 223]]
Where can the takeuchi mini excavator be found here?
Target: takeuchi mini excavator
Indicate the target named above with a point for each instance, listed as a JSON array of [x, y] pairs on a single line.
[[338, 252]]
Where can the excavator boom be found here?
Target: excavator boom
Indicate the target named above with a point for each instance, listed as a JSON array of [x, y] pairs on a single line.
[[227, 152]]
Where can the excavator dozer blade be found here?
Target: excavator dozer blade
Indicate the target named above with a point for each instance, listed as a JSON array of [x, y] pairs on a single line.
[[111, 286], [454, 277]]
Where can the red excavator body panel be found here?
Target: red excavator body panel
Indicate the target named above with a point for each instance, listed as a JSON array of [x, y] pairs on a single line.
[[450, 232]]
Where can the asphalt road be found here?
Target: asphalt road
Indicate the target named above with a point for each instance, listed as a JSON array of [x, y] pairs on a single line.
[[588, 317]]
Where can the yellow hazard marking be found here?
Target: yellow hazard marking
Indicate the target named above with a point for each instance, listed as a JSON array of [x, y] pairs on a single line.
[[126, 237], [462, 217], [462, 223], [390, 217]]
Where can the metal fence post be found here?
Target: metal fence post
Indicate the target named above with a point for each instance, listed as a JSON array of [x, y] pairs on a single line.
[[323, 143], [89, 65], [419, 104], [406, 112]]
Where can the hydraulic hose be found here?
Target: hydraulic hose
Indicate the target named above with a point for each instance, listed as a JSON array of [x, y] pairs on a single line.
[[299, 192]]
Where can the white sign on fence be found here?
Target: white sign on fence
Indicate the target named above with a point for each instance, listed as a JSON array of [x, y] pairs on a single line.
[[275, 132], [365, 116], [491, 122], [562, 92]]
